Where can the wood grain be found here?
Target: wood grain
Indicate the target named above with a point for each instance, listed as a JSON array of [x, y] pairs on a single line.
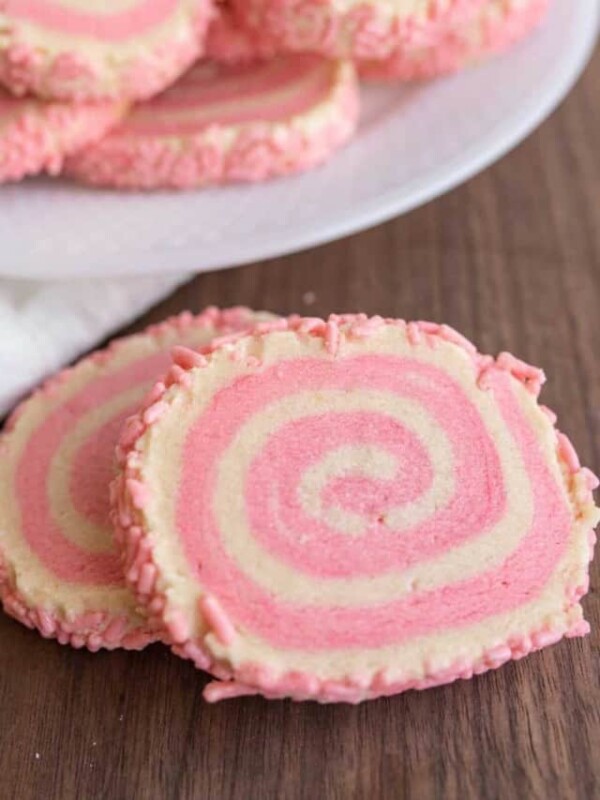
[[511, 259]]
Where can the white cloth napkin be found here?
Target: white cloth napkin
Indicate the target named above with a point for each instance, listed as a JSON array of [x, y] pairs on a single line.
[[45, 325]]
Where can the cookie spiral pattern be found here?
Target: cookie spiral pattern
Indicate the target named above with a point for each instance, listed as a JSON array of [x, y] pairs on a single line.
[[343, 509], [99, 49], [59, 569], [227, 123]]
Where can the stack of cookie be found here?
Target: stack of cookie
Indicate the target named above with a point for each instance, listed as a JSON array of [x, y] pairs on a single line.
[[191, 93], [332, 510]]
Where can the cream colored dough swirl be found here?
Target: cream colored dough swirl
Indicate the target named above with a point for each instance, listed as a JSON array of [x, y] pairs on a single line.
[[86, 534]]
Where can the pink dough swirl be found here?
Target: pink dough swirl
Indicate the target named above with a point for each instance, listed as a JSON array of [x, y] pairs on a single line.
[[310, 545]]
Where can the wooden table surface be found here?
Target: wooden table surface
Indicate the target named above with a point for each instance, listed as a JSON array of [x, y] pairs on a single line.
[[511, 259]]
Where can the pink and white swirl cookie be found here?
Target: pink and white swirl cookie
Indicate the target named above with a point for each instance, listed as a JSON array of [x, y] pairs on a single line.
[[97, 49], [36, 136], [229, 123], [361, 29], [495, 28], [346, 509], [59, 570]]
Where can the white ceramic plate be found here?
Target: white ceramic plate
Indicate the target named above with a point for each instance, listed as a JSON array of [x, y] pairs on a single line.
[[414, 144]]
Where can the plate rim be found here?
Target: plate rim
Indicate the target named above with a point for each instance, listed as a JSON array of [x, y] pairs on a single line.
[[493, 147]]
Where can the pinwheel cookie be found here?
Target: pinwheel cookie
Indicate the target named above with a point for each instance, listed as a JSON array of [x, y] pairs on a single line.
[[36, 136], [352, 28], [59, 571], [228, 123], [82, 49], [346, 509], [496, 27]]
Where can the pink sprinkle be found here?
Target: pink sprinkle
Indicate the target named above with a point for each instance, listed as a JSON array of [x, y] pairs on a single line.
[[186, 358], [131, 431], [450, 335], [135, 640], [114, 632], [197, 655], [549, 414], [186, 318], [431, 328], [532, 377], [520, 646], [545, 638], [591, 480], [174, 374], [413, 333], [134, 534], [154, 412], [340, 693], [94, 642], [580, 628], [144, 552], [47, 623], [381, 681], [362, 680], [484, 378], [332, 338], [218, 690], [234, 317], [140, 494], [567, 453], [583, 587], [498, 654], [132, 575], [124, 517], [155, 394], [363, 330], [272, 326], [156, 605], [217, 619], [253, 674], [178, 627], [146, 579], [224, 341], [310, 325]]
